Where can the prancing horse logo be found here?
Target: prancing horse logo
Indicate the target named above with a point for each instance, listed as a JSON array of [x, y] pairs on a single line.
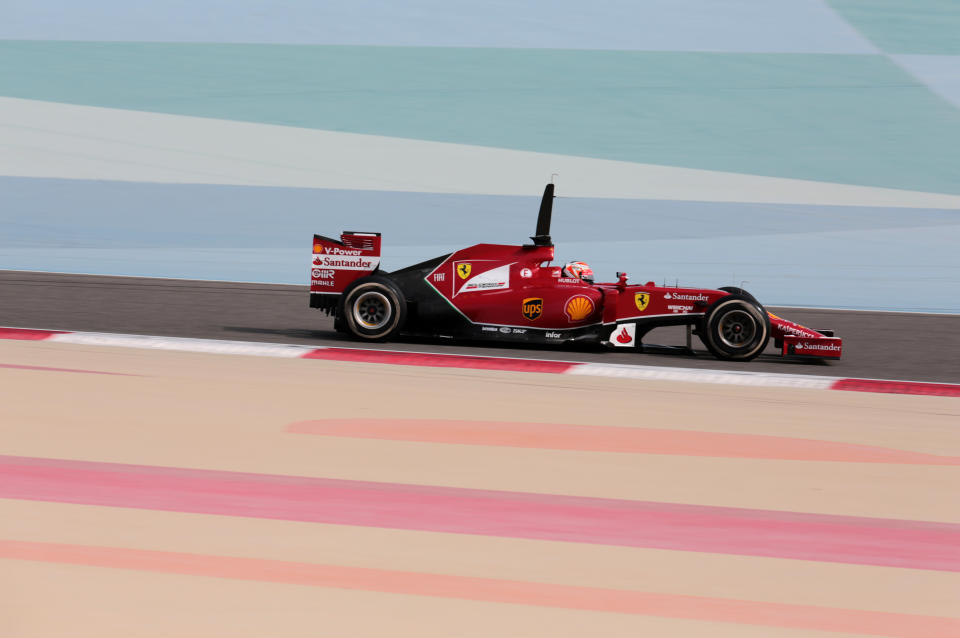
[[641, 299], [464, 270]]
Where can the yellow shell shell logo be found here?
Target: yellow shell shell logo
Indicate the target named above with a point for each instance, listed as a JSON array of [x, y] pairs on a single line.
[[578, 308]]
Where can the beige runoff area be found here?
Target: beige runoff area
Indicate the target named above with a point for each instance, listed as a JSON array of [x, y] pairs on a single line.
[[229, 413], [68, 141]]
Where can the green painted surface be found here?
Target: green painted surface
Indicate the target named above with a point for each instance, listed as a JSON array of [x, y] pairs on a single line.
[[840, 118], [906, 26]]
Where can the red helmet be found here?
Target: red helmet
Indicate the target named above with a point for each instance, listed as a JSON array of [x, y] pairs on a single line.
[[578, 270]]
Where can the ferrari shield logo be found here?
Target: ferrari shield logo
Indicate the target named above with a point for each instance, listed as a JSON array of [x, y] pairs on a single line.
[[532, 308], [641, 299], [464, 270]]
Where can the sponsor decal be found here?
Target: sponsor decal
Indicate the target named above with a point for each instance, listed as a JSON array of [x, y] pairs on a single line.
[[624, 335], [532, 308], [678, 309], [526, 273], [678, 296], [318, 249], [554, 335], [319, 273], [794, 329], [578, 308], [505, 330], [484, 285], [495, 279], [440, 276], [463, 270], [351, 252], [519, 331], [321, 282], [360, 263], [555, 273], [800, 332], [489, 329], [642, 299], [818, 346], [571, 280]]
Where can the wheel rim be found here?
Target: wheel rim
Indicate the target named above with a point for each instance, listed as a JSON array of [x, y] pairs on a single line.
[[737, 329], [372, 310]]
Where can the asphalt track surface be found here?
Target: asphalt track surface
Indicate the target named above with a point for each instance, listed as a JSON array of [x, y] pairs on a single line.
[[908, 346]]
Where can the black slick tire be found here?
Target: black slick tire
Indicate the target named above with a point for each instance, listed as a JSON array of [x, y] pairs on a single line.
[[735, 328], [372, 309], [733, 290]]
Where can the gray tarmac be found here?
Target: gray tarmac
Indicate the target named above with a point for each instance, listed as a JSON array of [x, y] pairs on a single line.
[[881, 345]]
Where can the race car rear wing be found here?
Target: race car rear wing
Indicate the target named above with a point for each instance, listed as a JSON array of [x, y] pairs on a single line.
[[334, 265]]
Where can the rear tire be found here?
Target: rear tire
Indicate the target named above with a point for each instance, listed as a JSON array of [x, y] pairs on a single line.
[[735, 328], [372, 309]]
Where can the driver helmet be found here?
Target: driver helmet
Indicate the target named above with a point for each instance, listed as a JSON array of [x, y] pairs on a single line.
[[578, 270]]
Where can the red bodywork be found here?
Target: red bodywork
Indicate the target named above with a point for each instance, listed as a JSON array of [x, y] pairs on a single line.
[[505, 292], [334, 265], [516, 287], [800, 340]]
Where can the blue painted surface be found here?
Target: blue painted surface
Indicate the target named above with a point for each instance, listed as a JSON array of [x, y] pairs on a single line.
[[763, 26], [939, 72], [848, 257], [836, 118], [906, 26], [738, 105]]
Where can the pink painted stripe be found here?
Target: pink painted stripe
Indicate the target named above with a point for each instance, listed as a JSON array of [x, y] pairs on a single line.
[[868, 541], [897, 387], [27, 334], [708, 609], [600, 438], [79, 371], [439, 360]]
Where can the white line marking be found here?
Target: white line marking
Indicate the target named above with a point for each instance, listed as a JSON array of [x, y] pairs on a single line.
[[692, 375], [209, 346], [68, 141], [293, 351]]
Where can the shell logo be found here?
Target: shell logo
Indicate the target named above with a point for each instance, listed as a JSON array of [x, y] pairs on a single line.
[[578, 308], [317, 248]]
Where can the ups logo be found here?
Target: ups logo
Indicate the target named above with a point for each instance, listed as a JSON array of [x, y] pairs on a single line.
[[532, 308]]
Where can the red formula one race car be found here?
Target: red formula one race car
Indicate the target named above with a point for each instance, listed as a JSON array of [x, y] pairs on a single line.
[[512, 293]]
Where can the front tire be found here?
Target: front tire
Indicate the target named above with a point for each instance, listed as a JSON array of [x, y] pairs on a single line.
[[735, 328], [733, 290], [372, 309]]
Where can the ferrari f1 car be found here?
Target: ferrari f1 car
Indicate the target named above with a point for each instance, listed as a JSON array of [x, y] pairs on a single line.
[[512, 293]]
